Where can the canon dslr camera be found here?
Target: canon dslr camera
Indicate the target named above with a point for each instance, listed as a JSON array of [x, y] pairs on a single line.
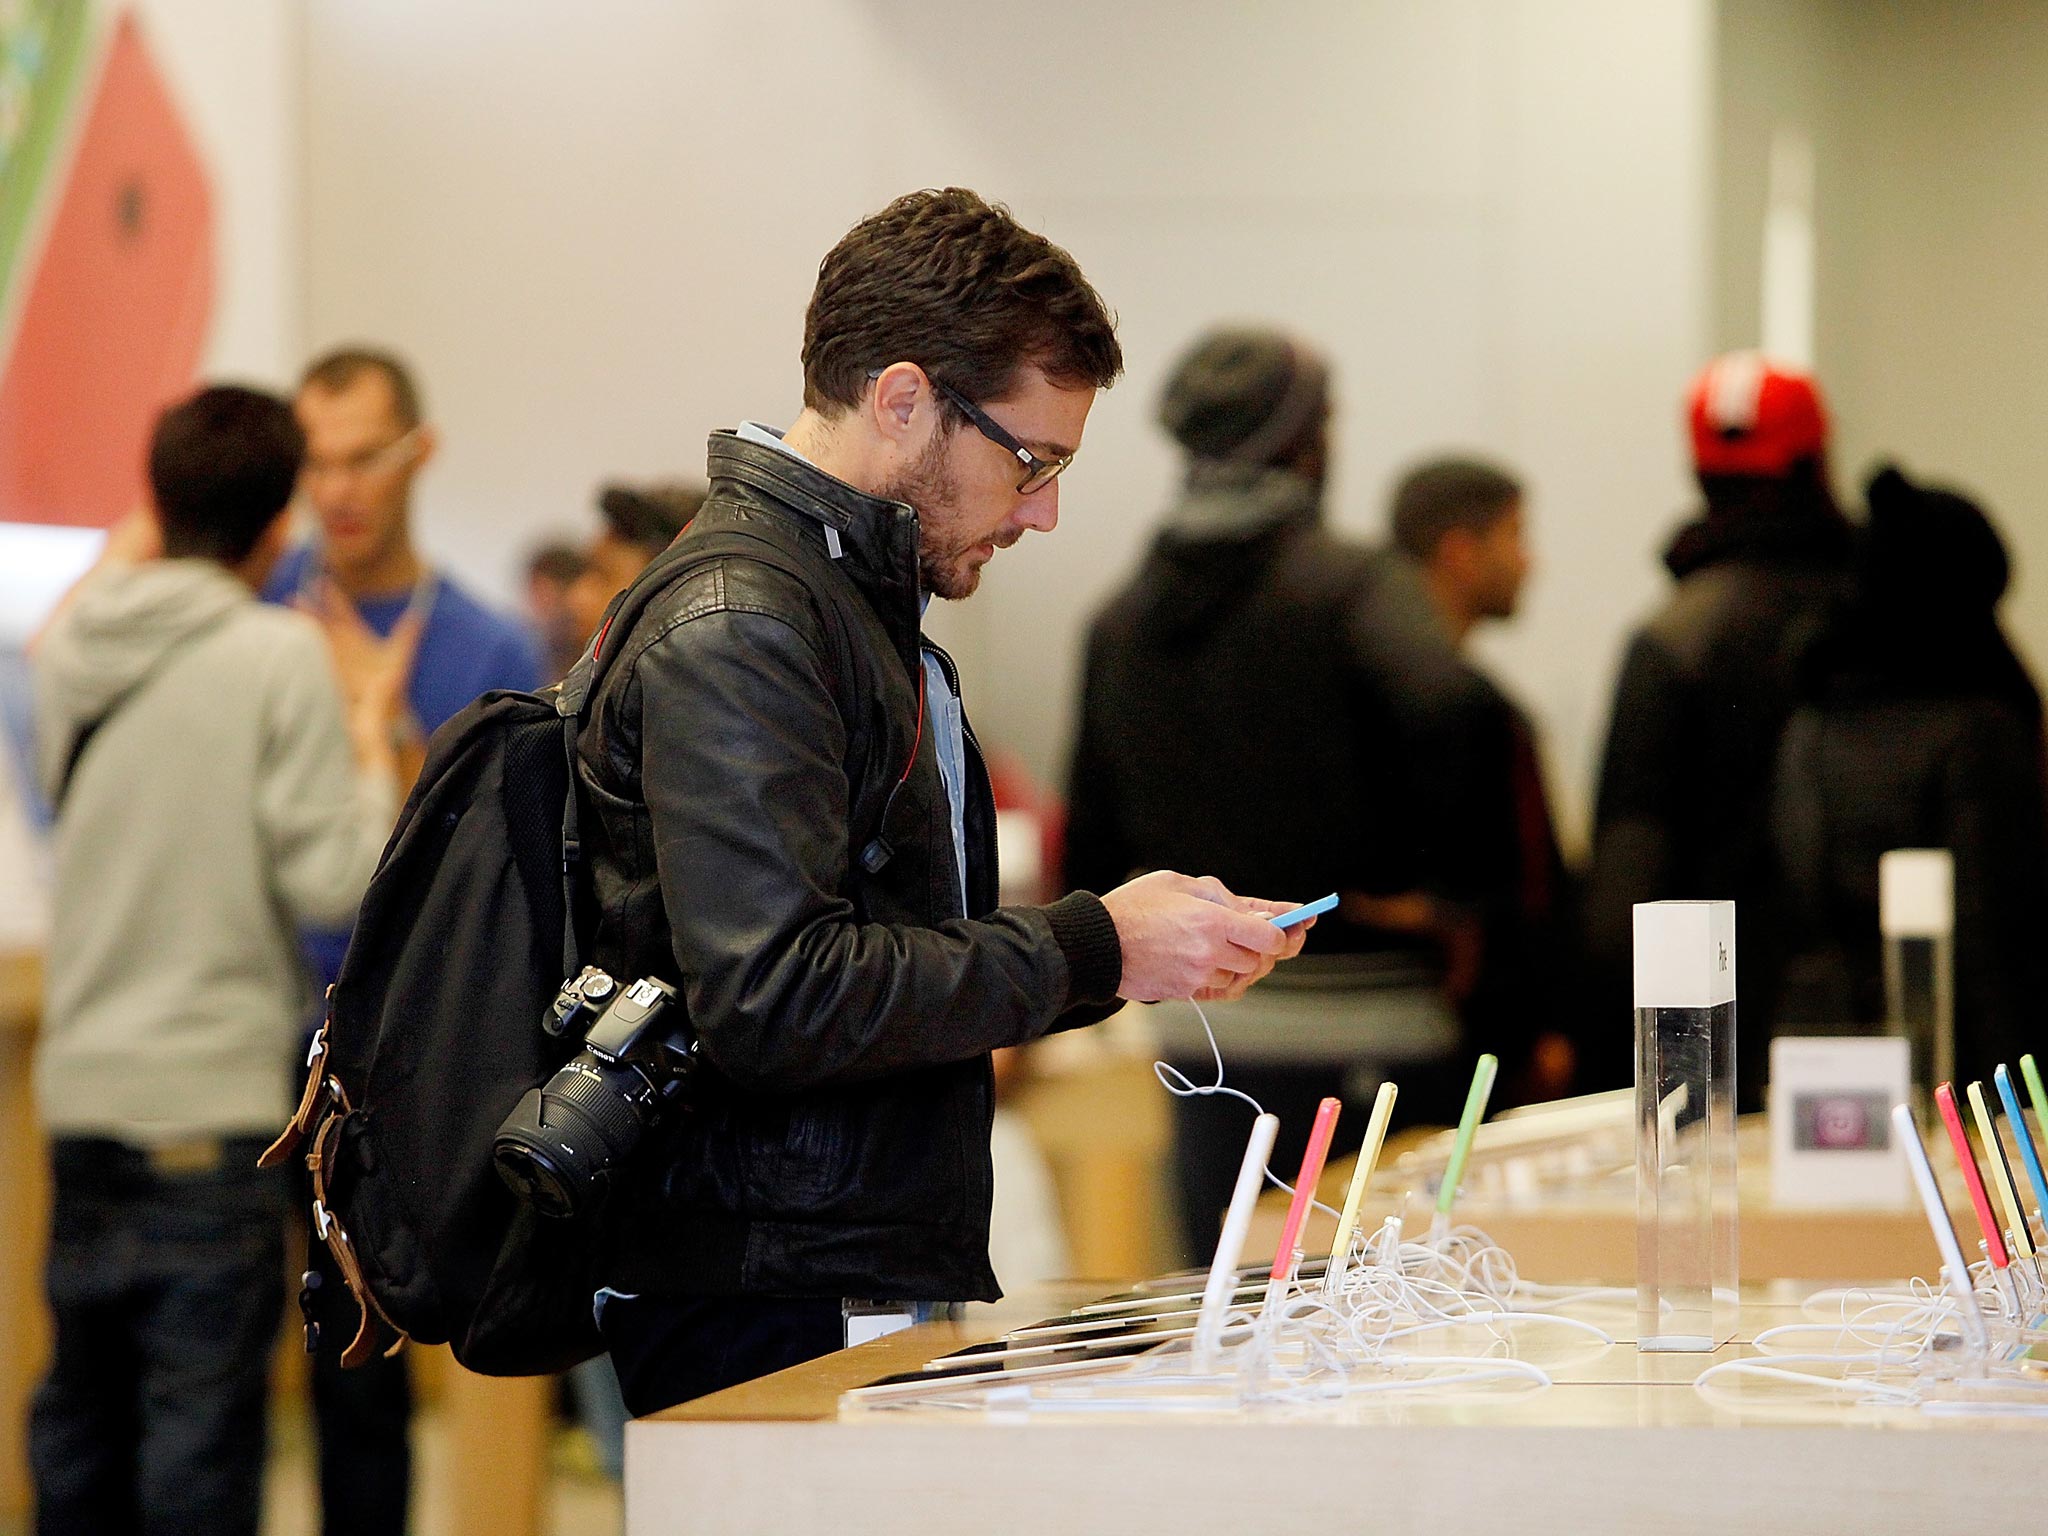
[[560, 1147]]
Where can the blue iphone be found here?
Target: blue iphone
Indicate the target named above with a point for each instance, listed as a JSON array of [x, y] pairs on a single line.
[[1313, 909]]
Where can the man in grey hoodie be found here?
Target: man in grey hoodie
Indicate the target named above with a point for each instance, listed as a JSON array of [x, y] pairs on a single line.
[[215, 794]]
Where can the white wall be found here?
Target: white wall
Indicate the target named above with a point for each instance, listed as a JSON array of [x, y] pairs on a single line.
[[597, 236], [1937, 345], [1778, 64]]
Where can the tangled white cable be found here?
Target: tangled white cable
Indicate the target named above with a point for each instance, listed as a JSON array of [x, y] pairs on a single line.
[[1894, 1349], [1181, 1086], [1445, 1312]]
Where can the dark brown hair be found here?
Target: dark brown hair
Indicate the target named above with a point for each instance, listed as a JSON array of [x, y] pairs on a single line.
[[1443, 494], [222, 464], [337, 370], [959, 287]]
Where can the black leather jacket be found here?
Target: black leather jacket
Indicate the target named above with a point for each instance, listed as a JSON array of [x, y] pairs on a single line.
[[1685, 783], [737, 768]]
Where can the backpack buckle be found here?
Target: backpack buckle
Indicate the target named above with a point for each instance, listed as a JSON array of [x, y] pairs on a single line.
[[300, 1126], [309, 1301]]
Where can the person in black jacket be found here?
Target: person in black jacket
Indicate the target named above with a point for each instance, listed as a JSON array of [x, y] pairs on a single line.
[[1705, 689], [1920, 729], [1226, 660], [1486, 842], [789, 817], [1232, 720]]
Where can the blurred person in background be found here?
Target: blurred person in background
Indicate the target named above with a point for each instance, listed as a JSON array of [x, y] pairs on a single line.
[[1487, 846], [640, 521], [367, 440], [1683, 809], [213, 790], [550, 571], [1229, 722], [1919, 727]]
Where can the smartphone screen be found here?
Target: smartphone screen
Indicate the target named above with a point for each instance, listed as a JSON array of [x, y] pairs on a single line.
[[1302, 913]]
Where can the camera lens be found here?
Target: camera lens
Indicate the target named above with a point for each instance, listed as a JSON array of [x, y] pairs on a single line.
[[558, 1146], [531, 1170]]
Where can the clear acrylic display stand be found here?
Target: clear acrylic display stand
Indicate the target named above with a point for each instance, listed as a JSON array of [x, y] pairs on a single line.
[[1686, 1265], [1916, 914]]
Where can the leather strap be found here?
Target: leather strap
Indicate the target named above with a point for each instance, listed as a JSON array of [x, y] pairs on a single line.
[[328, 1228], [300, 1126]]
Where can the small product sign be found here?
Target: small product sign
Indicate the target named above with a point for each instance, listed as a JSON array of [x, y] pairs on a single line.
[[1832, 1144]]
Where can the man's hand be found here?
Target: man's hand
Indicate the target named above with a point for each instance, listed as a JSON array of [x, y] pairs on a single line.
[[1189, 938], [374, 674], [136, 538]]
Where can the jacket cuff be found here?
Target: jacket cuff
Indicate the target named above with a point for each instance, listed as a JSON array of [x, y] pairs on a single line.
[[1086, 934]]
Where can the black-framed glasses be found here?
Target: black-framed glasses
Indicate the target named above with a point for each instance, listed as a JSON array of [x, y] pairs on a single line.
[[1038, 473]]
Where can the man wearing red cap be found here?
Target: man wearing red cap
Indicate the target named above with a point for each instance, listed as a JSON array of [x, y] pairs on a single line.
[[1708, 682]]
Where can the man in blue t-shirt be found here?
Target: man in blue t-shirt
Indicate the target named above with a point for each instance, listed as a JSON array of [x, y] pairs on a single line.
[[366, 441]]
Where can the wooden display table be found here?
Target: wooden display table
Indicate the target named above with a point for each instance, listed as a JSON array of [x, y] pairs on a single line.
[[1595, 1240], [1622, 1442]]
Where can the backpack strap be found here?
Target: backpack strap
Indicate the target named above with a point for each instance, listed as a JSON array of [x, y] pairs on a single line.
[[327, 1228], [321, 1091], [572, 846], [573, 695], [577, 691], [148, 675], [317, 1122]]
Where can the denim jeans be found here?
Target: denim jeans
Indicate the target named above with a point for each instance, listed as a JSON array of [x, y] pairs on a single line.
[[166, 1282], [362, 1416], [601, 1410]]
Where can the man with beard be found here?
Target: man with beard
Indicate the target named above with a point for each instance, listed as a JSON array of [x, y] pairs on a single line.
[[1488, 845], [789, 818]]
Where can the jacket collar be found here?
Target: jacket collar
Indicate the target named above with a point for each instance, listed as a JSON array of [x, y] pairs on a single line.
[[876, 538], [1763, 522]]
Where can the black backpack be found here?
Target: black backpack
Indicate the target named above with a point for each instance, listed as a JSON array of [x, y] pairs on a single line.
[[433, 1033]]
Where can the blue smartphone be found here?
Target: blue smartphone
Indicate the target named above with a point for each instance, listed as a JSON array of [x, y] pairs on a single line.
[[1313, 909]]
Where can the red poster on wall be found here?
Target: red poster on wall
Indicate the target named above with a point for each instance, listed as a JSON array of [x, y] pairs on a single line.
[[116, 313]]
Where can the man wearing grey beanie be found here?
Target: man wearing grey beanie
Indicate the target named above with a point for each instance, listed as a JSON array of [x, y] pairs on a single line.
[[1228, 718]]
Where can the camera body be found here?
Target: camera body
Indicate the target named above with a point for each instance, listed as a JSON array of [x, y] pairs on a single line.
[[561, 1146], [580, 1001]]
